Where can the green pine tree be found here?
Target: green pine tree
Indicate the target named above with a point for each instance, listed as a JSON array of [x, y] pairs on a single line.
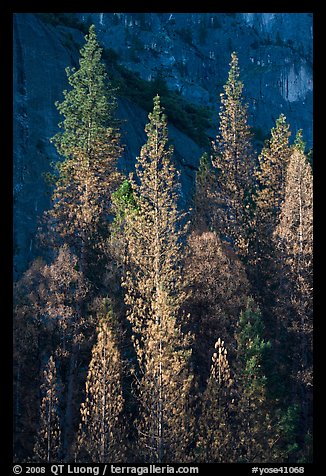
[[299, 143], [254, 429], [233, 157], [89, 106], [89, 146]]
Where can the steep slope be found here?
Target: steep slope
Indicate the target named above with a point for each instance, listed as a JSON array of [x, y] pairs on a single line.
[[40, 59]]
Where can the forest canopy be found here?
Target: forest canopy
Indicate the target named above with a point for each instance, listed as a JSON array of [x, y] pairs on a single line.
[[148, 333]]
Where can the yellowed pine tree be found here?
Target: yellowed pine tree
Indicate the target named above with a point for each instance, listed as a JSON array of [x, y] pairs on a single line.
[[165, 422], [101, 436], [294, 234], [263, 270], [154, 292], [48, 448], [233, 157], [64, 291], [83, 201], [27, 324], [294, 241], [270, 174], [216, 438]]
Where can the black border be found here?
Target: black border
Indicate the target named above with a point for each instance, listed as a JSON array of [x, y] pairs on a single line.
[[7, 9]]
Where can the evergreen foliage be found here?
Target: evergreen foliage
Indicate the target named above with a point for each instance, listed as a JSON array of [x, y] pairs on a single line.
[[154, 293], [254, 427], [101, 434], [233, 157], [133, 295], [89, 105], [89, 145]]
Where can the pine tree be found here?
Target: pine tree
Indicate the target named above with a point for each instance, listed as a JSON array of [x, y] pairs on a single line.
[[216, 442], [78, 222], [264, 269], [154, 293], [288, 423], [63, 308], [89, 145], [299, 143], [79, 219], [88, 107], [165, 422], [48, 445], [294, 241], [254, 430], [234, 160], [27, 351], [295, 229], [273, 162], [101, 432]]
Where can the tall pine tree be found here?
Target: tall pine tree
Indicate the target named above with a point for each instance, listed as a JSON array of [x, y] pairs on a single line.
[[234, 160], [293, 239], [79, 219], [89, 145], [263, 268], [269, 197], [154, 293]]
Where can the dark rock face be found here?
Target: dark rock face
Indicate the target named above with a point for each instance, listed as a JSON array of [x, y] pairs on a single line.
[[192, 52], [40, 60]]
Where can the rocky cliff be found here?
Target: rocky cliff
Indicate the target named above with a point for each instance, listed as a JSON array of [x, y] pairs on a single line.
[[191, 52]]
